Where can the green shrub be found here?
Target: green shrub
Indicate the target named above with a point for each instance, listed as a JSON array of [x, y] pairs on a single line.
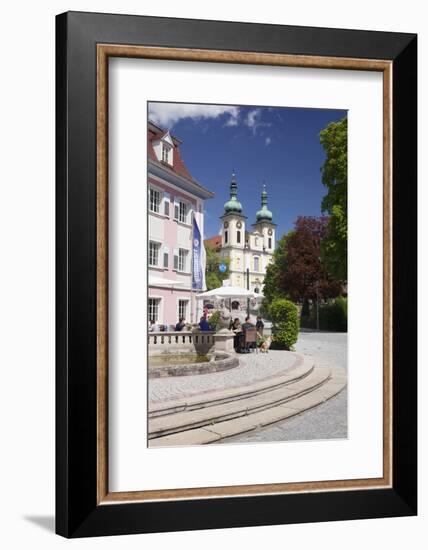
[[285, 323], [214, 320], [334, 315]]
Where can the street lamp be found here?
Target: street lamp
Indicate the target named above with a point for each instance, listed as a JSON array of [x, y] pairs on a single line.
[[248, 288], [318, 309], [318, 297]]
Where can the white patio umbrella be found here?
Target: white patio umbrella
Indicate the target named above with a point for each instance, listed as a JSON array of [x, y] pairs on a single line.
[[160, 281], [226, 292]]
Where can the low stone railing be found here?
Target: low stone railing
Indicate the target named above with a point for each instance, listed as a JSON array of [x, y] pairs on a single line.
[[184, 341]]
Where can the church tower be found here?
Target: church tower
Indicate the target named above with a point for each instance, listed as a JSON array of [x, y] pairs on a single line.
[[264, 228], [233, 235]]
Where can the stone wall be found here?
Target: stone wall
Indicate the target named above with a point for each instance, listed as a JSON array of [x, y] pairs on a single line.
[[181, 342]]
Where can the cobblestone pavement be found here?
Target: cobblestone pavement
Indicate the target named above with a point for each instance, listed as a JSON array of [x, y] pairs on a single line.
[[327, 421], [252, 367]]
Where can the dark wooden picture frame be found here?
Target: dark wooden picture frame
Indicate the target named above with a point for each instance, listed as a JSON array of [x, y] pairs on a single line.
[[84, 505]]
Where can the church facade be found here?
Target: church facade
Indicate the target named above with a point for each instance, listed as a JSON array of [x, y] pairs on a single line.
[[249, 247]]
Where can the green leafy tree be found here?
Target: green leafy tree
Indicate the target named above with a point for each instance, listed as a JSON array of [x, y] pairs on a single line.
[[213, 276], [297, 272], [334, 250], [271, 285]]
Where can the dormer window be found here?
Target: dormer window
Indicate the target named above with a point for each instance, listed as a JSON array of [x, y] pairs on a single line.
[[164, 149], [166, 153]]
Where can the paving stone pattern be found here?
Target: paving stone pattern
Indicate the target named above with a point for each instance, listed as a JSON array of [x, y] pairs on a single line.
[[253, 367], [326, 421]]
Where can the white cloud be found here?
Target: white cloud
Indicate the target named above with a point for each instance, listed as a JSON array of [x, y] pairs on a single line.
[[233, 118], [268, 141], [253, 120], [167, 114]]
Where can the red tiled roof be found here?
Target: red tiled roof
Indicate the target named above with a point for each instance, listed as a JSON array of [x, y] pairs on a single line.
[[215, 242], [153, 134]]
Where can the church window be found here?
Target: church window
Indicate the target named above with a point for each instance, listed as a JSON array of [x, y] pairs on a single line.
[[238, 237], [225, 237], [256, 263], [270, 242]]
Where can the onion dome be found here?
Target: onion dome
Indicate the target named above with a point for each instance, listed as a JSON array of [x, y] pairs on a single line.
[[233, 206], [264, 215]]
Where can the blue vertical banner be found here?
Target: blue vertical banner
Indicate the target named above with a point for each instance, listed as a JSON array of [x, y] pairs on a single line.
[[197, 274]]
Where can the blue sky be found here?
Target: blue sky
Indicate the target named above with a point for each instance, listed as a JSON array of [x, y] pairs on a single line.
[[279, 146]]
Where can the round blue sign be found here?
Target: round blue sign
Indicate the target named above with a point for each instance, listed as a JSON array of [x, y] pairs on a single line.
[[222, 268]]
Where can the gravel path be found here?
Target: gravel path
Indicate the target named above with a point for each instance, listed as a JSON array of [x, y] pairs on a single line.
[[327, 421], [252, 367]]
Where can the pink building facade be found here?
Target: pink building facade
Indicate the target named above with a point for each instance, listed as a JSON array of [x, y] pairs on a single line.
[[175, 205]]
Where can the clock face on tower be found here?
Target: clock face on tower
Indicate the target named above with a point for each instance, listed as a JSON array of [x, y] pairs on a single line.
[[226, 225], [270, 232], [239, 225]]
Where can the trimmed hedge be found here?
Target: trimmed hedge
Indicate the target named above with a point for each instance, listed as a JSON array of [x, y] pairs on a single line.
[[285, 323], [334, 315]]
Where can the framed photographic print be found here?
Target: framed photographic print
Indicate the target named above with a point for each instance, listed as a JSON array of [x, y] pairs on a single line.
[[236, 274]]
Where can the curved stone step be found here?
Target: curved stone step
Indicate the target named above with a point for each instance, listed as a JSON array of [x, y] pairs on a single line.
[[243, 406], [303, 369], [242, 424]]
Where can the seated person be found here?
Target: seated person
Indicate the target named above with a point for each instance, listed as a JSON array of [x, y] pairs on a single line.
[[180, 325], [247, 324], [260, 325], [204, 325], [236, 327], [152, 325]]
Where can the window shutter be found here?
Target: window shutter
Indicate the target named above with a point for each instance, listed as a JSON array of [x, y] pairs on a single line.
[[176, 211], [175, 258], [166, 204], [165, 257]]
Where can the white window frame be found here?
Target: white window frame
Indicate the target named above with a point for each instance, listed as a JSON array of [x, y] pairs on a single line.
[[160, 203], [166, 152], [160, 308], [178, 203], [158, 245], [183, 299], [183, 256]]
